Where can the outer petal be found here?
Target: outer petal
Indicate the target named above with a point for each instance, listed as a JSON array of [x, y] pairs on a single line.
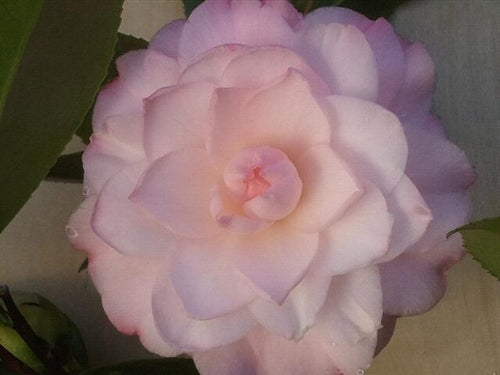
[[345, 16], [124, 225], [141, 73], [125, 283], [419, 83], [370, 138], [435, 164], [285, 116], [175, 326], [167, 39], [208, 285], [343, 57], [170, 123], [145, 71], [167, 191], [353, 309], [414, 282], [360, 237], [297, 314], [391, 64], [218, 22], [412, 217], [328, 189]]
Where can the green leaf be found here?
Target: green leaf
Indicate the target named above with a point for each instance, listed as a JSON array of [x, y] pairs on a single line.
[[67, 168], [50, 325], [64, 63], [17, 18], [189, 6], [164, 366], [124, 44], [482, 241], [370, 8]]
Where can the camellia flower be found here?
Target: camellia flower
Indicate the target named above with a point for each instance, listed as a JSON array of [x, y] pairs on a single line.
[[262, 188]]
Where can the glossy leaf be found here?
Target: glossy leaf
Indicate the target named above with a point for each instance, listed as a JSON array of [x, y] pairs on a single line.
[[482, 241], [52, 326], [124, 44], [64, 63], [165, 366], [67, 168], [17, 18]]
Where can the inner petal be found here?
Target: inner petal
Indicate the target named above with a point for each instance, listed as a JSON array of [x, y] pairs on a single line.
[[264, 182]]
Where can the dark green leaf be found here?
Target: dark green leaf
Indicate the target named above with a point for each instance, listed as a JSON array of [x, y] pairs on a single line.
[[64, 63], [17, 18], [482, 241], [164, 366], [124, 44], [189, 6], [67, 168]]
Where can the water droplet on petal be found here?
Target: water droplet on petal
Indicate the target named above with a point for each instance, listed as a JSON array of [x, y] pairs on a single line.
[[70, 231], [85, 191], [360, 372], [334, 343], [380, 326]]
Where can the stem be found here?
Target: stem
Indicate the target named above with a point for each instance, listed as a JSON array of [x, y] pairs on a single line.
[[37, 345], [15, 364]]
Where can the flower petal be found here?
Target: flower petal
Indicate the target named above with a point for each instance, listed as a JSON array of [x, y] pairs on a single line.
[[411, 215], [175, 326], [125, 283], [345, 16], [167, 191], [370, 138], [218, 22], [275, 260], [435, 164], [206, 283], [414, 282], [284, 116], [170, 123], [353, 308], [343, 57], [124, 225], [167, 39], [360, 237], [145, 71], [293, 318], [328, 189]]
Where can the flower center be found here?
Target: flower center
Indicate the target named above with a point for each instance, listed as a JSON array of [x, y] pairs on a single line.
[[264, 182]]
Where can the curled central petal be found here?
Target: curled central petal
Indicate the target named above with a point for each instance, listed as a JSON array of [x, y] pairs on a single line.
[[264, 182]]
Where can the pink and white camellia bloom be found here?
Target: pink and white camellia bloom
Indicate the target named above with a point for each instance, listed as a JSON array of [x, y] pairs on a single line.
[[263, 188]]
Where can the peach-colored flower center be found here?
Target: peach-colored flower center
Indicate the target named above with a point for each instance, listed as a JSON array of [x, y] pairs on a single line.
[[264, 182]]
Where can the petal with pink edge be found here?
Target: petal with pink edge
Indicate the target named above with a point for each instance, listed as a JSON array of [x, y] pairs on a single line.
[[124, 225], [191, 335], [218, 22], [284, 116], [370, 138], [124, 283], [170, 123], [328, 189], [207, 284], [414, 282], [360, 237], [176, 190], [343, 57]]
